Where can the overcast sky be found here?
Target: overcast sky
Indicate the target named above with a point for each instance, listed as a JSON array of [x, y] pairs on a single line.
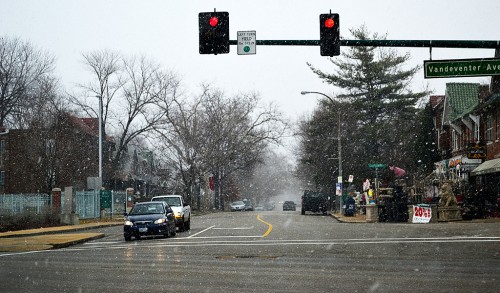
[[167, 31]]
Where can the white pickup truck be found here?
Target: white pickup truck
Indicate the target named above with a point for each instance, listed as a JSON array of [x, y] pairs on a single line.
[[182, 210]]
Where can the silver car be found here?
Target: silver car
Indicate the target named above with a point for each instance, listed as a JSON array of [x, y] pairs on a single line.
[[237, 206]]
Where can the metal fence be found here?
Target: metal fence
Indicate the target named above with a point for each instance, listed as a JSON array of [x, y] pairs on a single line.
[[22, 203], [86, 203]]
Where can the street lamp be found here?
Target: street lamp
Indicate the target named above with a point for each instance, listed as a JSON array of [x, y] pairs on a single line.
[[100, 138], [339, 144]]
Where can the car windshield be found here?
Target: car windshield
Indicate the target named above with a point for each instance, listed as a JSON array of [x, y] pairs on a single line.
[[171, 201], [146, 209], [250, 146]]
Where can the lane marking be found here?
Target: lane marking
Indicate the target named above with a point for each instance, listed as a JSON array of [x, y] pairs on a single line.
[[270, 243], [295, 242], [270, 226], [201, 231], [240, 228], [101, 242]]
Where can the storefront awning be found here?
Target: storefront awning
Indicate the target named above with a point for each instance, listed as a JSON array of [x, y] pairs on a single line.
[[490, 166]]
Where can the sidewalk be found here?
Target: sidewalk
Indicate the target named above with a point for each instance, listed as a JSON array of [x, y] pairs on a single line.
[[50, 238], [357, 218]]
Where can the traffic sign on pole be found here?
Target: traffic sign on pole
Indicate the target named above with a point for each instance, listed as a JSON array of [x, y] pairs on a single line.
[[461, 67], [247, 41], [377, 166]]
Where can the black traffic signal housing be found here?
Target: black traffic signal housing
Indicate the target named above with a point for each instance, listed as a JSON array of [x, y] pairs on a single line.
[[329, 34], [214, 32]]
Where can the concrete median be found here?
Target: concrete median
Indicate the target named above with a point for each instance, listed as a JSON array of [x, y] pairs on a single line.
[[50, 237]]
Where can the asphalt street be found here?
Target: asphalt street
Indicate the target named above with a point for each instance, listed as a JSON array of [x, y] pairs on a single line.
[[269, 252]]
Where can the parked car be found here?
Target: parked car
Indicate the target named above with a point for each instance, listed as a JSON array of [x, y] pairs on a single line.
[[149, 219], [259, 208], [315, 202], [270, 206], [237, 206], [289, 206], [248, 206]]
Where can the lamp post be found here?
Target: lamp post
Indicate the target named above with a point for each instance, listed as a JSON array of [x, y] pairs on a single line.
[[100, 138], [339, 144]]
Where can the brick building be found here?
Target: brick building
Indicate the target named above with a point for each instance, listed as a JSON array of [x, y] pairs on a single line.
[[467, 121], [36, 160]]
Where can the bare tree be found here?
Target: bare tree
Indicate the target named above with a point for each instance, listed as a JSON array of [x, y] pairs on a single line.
[[217, 134], [131, 90], [24, 71]]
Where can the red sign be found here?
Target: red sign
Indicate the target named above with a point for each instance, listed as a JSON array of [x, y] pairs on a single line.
[[421, 214]]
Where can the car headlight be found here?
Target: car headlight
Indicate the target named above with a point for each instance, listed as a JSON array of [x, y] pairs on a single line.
[[178, 215], [160, 221], [128, 223]]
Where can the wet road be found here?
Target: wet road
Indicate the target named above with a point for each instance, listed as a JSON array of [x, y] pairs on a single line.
[[270, 252]]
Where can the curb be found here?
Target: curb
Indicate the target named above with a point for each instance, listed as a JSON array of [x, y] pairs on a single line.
[[79, 241], [55, 230], [350, 220]]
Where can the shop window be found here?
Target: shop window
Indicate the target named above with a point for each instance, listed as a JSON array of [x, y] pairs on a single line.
[[2, 152], [489, 128], [497, 131], [455, 140]]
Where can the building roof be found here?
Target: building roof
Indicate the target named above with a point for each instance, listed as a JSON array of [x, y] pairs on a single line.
[[461, 99], [492, 101], [87, 125]]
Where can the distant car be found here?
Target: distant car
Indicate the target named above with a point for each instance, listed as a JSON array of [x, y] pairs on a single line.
[[248, 206], [289, 206], [269, 206], [237, 206], [149, 219], [259, 208]]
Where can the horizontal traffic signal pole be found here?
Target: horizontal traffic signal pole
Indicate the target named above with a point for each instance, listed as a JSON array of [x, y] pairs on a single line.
[[387, 43]]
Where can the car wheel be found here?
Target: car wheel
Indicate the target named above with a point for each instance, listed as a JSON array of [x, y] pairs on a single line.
[[182, 226], [138, 237], [128, 238]]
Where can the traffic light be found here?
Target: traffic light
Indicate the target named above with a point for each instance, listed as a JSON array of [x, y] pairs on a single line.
[[329, 34], [214, 32]]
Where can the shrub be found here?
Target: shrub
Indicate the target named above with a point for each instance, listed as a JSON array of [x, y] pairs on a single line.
[[30, 220]]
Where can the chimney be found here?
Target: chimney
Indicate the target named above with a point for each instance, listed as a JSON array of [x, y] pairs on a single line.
[[484, 92]]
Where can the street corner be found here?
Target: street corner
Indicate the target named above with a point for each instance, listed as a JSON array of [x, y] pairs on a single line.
[[45, 242]]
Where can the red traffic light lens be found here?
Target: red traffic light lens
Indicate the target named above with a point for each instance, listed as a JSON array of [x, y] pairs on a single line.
[[329, 23], [213, 21]]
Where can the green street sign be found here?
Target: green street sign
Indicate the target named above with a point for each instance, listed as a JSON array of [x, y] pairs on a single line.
[[377, 166], [461, 67]]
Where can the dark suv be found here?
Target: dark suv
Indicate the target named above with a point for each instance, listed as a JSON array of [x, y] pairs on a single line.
[[315, 202], [289, 206]]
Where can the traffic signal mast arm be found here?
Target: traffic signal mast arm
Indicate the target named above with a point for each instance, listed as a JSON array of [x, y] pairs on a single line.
[[387, 43]]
